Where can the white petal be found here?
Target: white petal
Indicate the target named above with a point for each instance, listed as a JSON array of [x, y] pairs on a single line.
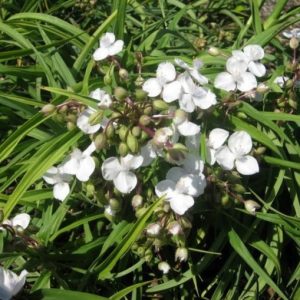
[[21, 220], [257, 69], [205, 100], [186, 103], [97, 94], [131, 162], [61, 191], [246, 82], [83, 122], [225, 158], [110, 168], [247, 165], [20, 282], [171, 91], [51, 175], [210, 155], [89, 150], [188, 128], [165, 188], [71, 166], [175, 173], [153, 87], [193, 164], [217, 138], [201, 79], [181, 203], [148, 153], [240, 143], [237, 64], [116, 47], [107, 39], [254, 52], [125, 182], [225, 81], [100, 54], [281, 80], [192, 185], [166, 71], [86, 168], [193, 143]]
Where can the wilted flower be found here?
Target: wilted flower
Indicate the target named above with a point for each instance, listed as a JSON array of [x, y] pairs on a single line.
[[119, 171], [164, 267], [108, 47], [174, 228], [162, 136], [181, 254], [239, 145], [251, 206], [11, 283], [21, 220], [60, 181], [153, 229]]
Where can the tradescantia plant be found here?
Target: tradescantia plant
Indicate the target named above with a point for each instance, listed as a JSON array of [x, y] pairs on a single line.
[[139, 165]]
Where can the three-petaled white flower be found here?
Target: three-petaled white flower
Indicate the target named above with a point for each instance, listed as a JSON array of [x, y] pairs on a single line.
[[108, 47], [104, 98], [80, 164], [194, 70], [60, 181], [235, 154], [236, 76], [251, 54], [11, 283], [164, 83], [22, 220], [119, 171]]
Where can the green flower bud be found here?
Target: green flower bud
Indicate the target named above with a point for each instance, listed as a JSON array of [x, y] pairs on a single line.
[[123, 132], [140, 95], [185, 223], [292, 103], [225, 200], [120, 93], [179, 117], [145, 120], [63, 108], [148, 255], [107, 79], [123, 73], [71, 125], [71, 118], [251, 206], [136, 131], [96, 117], [123, 149], [160, 105], [100, 141], [114, 204], [136, 201], [260, 150], [141, 251], [213, 51], [48, 109], [115, 115], [139, 81], [238, 188], [90, 189], [148, 110], [242, 115], [110, 131], [132, 143]]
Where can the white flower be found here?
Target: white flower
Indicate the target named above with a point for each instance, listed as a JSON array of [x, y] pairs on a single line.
[[83, 122], [236, 76], [162, 136], [235, 154], [60, 181], [281, 80], [80, 164], [149, 152], [108, 47], [21, 220], [193, 71], [11, 283], [104, 99], [164, 83], [183, 125], [216, 139], [193, 96], [251, 55], [153, 229], [295, 32], [164, 267], [119, 171]]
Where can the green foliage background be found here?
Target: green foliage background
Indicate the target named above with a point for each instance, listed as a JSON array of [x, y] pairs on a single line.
[[45, 57]]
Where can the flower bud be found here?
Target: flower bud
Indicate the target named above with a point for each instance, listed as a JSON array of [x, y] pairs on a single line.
[[148, 110], [181, 254], [48, 109], [115, 115], [120, 93], [123, 132], [262, 88], [225, 200], [164, 267], [161, 136], [294, 43], [136, 201], [70, 126], [139, 81], [123, 73], [136, 131], [140, 95], [174, 228], [141, 251], [144, 120], [185, 223], [292, 103], [242, 115], [148, 255], [96, 117], [160, 105], [109, 213], [251, 206], [153, 229], [132, 143], [179, 117], [90, 189], [213, 51], [123, 149], [114, 204], [107, 79], [100, 141], [260, 150], [238, 188], [110, 130]]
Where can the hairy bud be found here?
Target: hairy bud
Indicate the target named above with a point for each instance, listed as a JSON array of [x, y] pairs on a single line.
[[123, 149], [48, 109], [213, 51], [140, 95], [251, 206], [132, 143], [160, 105], [120, 93], [123, 73], [136, 201], [100, 141], [294, 43]]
